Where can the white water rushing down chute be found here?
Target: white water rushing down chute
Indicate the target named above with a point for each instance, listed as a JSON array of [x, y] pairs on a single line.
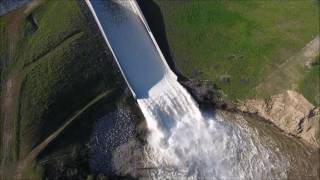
[[182, 142]]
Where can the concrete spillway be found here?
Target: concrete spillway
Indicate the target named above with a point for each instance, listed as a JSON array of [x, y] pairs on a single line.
[[182, 142], [132, 44]]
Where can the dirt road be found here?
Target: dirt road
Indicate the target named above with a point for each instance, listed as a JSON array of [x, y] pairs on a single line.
[[287, 75]]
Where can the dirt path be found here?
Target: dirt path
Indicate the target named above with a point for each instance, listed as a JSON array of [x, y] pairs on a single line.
[[8, 110], [11, 90], [36, 151], [287, 75], [12, 84], [13, 32], [32, 5], [74, 35]]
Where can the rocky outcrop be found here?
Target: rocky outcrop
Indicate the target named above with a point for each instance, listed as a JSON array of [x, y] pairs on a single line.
[[289, 111], [204, 93]]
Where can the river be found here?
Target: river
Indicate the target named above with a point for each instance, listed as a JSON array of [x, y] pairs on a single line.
[[184, 142]]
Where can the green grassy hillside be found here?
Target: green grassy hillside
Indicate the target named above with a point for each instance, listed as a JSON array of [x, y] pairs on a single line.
[[310, 84], [57, 23], [59, 66], [237, 44], [66, 70]]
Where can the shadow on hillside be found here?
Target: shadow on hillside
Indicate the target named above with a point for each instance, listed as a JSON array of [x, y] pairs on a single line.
[[154, 17]]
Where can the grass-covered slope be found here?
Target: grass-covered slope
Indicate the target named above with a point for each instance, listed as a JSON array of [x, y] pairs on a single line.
[[58, 64], [310, 84], [65, 65], [236, 44], [57, 23]]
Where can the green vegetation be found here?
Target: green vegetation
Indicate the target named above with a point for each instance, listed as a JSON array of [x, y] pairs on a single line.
[[65, 70], [71, 141], [310, 84], [237, 44], [57, 22], [59, 66], [33, 171]]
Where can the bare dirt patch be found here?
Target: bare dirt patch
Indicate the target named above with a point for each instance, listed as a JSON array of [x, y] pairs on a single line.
[[32, 5], [287, 75], [9, 85], [289, 111]]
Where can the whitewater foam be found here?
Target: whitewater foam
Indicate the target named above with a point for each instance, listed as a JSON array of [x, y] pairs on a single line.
[[185, 143]]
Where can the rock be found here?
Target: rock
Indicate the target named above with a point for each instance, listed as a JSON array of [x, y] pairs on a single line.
[[202, 92], [289, 111], [128, 159]]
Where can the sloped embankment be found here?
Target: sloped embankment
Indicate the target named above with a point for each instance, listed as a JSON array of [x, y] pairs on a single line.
[[60, 67], [289, 111]]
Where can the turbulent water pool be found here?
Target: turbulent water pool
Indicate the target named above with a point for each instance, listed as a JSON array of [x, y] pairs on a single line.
[[184, 142]]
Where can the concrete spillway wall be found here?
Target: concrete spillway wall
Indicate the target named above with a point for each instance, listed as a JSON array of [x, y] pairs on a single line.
[[132, 44], [140, 14], [9, 5], [108, 43]]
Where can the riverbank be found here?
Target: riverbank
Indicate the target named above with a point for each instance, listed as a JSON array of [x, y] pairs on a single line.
[[303, 158], [289, 112]]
